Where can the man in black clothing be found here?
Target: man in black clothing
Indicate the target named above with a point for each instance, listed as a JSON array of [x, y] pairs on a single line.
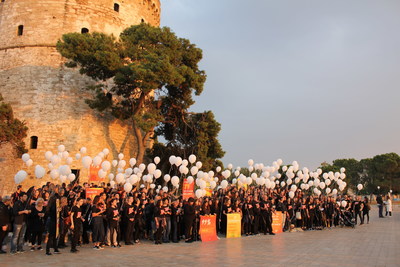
[[20, 210], [379, 200], [129, 219], [51, 224], [5, 219], [189, 216]]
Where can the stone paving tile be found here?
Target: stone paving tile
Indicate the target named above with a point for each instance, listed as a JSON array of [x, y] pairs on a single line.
[[374, 244]]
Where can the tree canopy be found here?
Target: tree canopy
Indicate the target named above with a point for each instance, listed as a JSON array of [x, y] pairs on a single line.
[[381, 170], [147, 78], [12, 130]]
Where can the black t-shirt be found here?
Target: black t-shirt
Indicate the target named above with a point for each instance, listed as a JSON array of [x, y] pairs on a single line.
[[77, 217]]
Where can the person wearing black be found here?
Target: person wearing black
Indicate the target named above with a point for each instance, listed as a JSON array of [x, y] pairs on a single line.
[[87, 215], [266, 216], [366, 208], [76, 224], [167, 215], [189, 216], [139, 222], [357, 203], [129, 218], [52, 210], [379, 200], [256, 214], [175, 214], [20, 211], [248, 216], [64, 221], [98, 211], [36, 222], [5, 219], [159, 217], [113, 221]]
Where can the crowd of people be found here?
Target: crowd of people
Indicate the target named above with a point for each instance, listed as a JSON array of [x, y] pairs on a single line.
[[54, 214]]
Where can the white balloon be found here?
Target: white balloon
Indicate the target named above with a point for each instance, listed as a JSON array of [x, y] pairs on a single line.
[[172, 160], [112, 184], [344, 203], [48, 155], [142, 167], [64, 170], [284, 168], [102, 174], [63, 178], [327, 190], [61, 148], [283, 184], [77, 156], [111, 176], [121, 163], [178, 161], [65, 154], [194, 170], [249, 181], [226, 174], [120, 178], [230, 166], [152, 186], [55, 160], [50, 166], [106, 165], [327, 182], [69, 160], [175, 180], [29, 162], [97, 161], [157, 160], [199, 193], [218, 169], [291, 194], [342, 170], [134, 179], [224, 184], [101, 155], [250, 162], [120, 156], [192, 159], [106, 151], [86, 162], [39, 171], [157, 174], [151, 168], [115, 163], [165, 189], [83, 150], [213, 184], [253, 176], [20, 176], [25, 157], [132, 162], [167, 177], [54, 174], [190, 179], [359, 186], [127, 187], [202, 184], [199, 165]]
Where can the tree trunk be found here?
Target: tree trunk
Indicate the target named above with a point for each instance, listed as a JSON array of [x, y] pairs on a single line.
[[139, 142]]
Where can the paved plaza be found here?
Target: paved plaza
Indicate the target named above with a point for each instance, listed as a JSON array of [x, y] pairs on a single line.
[[374, 244]]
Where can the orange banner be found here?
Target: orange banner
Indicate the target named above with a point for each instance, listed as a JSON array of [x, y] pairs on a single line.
[[92, 192], [277, 222], [94, 174], [187, 189], [208, 228], [234, 225]]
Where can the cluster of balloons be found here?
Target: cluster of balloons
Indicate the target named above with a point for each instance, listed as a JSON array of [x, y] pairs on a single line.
[[128, 173]]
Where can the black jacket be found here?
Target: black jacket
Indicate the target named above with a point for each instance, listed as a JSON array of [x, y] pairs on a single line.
[[5, 215]]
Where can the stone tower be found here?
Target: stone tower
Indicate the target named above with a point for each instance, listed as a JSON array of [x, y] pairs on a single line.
[[49, 96]]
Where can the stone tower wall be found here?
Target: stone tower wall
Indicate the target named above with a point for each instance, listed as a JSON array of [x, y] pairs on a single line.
[[49, 96]]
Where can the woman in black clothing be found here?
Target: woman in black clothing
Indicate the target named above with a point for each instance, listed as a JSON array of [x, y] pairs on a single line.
[[159, 217], [366, 209], [36, 222], [113, 221], [76, 224], [98, 211]]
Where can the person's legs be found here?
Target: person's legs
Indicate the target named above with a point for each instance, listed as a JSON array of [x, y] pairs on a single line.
[[380, 211], [14, 239]]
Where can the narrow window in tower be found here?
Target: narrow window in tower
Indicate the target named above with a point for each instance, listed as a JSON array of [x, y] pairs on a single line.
[[34, 142], [84, 30], [116, 7], [142, 20], [20, 30]]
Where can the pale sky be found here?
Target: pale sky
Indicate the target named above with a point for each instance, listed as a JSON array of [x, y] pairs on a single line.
[[310, 81]]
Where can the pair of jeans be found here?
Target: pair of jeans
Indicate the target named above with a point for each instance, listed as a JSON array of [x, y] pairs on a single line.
[[17, 240]]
